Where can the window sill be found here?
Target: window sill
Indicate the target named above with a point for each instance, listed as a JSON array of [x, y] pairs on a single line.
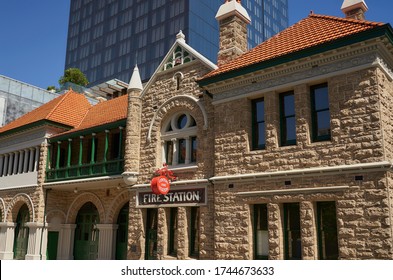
[[183, 167]]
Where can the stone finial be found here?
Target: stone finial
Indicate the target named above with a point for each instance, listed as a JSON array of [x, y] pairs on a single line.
[[135, 81], [231, 8], [181, 37], [354, 9]]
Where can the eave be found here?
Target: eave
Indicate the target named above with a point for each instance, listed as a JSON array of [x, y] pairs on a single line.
[[380, 31]]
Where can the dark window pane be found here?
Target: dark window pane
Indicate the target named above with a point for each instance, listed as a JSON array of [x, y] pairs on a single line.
[[321, 98], [289, 105], [182, 151], [258, 124], [291, 129], [323, 123]]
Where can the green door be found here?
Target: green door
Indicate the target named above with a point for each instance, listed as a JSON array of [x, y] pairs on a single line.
[[151, 234], [122, 234], [21, 233], [86, 233], [51, 249]]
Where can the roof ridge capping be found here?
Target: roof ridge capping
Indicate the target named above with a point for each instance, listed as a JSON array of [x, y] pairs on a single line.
[[342, 19]]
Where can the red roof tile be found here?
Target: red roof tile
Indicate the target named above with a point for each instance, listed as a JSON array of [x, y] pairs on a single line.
[[68, 109], [309, 32], [103, 113]]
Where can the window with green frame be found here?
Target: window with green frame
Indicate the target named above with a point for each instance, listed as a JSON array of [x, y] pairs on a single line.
[[320, 113], [327, 230], [258, 124], [292, 234], [261, 238], [172, 232], [287, 118], [194, 232]]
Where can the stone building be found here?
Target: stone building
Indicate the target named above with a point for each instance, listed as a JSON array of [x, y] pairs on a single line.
[[280, 152], [303, 142]]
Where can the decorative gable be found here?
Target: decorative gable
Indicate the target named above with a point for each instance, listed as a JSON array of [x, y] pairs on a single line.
[[179, 56]]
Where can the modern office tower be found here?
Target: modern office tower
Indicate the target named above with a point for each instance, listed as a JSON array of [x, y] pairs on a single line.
[[106, 38]]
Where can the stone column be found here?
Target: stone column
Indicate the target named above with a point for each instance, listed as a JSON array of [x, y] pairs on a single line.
[[1, 164], [10, 163], [307, 225], [107, 241], [133, 135], [276, 239], [7, 234], [66, 241], [36, 158], [136, 231], [35, 249], [175, 157], [31, 159], [5, 165], [25, 161], [182, 234], [20, 165], [16, 163]]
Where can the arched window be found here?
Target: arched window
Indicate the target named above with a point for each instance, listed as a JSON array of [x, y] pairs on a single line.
[[179, 140]]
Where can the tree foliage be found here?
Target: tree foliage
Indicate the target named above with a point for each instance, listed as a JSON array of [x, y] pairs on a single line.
[[73, 75]]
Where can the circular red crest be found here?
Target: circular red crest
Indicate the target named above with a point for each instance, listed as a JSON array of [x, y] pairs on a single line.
[[153, 185], [163, 185]]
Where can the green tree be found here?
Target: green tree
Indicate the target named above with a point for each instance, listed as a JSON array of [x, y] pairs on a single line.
[[73, 75]]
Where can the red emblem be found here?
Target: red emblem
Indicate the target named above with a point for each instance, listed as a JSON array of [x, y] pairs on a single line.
[[161, 183]]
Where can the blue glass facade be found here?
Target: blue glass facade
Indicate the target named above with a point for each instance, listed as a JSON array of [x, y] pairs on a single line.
[[107, 37]]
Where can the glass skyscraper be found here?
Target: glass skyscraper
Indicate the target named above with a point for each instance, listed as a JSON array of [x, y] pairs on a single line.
[[106, 38]]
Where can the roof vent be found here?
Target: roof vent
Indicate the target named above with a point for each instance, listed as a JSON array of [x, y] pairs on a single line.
[[354, 9]]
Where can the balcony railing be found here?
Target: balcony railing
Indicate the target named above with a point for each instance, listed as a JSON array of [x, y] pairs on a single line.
[[98, 169]]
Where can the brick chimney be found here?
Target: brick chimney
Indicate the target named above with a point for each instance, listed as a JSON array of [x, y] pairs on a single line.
[[354, 9], [233, 20]]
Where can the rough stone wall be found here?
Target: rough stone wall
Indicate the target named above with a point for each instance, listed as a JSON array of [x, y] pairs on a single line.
[[160, 92], [356, 130], [363, 216], [233, 39]]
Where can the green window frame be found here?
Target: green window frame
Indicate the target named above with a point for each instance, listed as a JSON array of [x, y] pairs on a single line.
[[194, 232], [292, 231], [320, 113], [287, 118], [258, 124], [172, 232], [261, 232], [327, 230]]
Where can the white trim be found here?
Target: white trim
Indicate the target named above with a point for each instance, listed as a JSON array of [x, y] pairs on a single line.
[[198, 182], [328, 170], [296, 190]]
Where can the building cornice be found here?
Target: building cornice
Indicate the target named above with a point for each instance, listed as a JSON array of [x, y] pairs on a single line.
[[306, 172]]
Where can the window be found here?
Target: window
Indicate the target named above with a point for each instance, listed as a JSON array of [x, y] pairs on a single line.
[[258, 124], [320, 114], [172, 232], [194, 232], [292, 236], [287, 119], [327, 230], [261, 237], [179, 140]]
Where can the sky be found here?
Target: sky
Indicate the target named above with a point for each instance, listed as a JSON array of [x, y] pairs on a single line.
[[33, 33]]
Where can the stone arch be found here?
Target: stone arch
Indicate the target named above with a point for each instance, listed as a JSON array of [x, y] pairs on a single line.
[[79, 202], [2, 210], [16, 203], [191, 103], [116, 205]]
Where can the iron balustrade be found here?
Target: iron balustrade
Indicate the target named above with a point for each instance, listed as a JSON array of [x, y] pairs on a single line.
[[104, 168]]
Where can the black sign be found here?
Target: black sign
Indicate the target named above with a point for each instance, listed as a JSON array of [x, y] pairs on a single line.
[[179, 197]]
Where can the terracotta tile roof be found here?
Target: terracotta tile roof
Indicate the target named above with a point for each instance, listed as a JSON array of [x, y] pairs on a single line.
[[312, 31], [103, 113], [68, 109]]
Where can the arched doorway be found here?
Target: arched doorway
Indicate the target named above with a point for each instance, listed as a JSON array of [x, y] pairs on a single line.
[[21, 233], [122, 233], [86, 233]]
